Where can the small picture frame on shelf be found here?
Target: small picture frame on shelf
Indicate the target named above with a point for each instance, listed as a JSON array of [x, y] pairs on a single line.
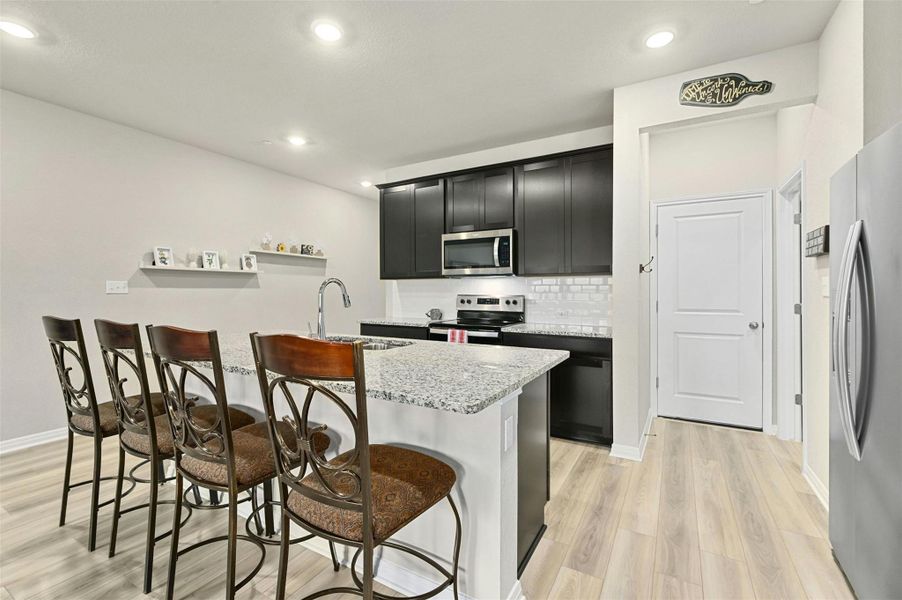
[[211, 259], [248, 262], [163, 257]]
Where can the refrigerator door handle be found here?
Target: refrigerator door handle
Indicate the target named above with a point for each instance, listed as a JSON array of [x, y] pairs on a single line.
[[840, 337]]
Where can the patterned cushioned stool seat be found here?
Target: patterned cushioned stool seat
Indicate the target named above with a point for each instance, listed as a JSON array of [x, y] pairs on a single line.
[[203, 415], [108, 419], [254, 462], [405, 484]]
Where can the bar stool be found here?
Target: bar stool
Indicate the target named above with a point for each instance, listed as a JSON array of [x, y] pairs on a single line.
[[211, 455], [147, 439], [361, 497], [84, 416]]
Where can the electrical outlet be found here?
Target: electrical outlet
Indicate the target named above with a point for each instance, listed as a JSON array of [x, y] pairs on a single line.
[[116, 287], [509, 433]]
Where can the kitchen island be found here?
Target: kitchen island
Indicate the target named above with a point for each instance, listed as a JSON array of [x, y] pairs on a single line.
[[481, 409]]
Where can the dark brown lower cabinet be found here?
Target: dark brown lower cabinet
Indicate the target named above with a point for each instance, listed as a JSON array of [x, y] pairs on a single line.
[[581, 402]]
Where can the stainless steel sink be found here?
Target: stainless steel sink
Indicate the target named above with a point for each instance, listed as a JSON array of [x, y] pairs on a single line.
[[370, 344]]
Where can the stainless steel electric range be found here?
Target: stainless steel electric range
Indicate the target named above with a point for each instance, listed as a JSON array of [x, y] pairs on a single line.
[[482, 317]]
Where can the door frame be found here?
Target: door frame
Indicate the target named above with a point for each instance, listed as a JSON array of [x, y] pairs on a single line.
[[788, 264], [768, 322]]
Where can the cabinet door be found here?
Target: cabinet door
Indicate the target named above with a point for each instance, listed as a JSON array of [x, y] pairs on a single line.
[[589, 213], [581, 401], [540, 220], [498, 199], [464, 202], [429, 224], [396, 241]]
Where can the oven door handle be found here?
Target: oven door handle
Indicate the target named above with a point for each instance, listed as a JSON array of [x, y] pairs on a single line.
[[474, 334]]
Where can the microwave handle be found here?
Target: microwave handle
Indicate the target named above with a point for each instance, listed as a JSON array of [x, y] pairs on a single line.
[[497, 243]]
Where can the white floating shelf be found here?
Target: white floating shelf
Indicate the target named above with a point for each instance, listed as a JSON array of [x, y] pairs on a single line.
[[288, 254], [198, 270]]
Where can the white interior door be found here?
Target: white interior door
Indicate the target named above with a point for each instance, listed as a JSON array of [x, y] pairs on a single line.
[[710, 310]]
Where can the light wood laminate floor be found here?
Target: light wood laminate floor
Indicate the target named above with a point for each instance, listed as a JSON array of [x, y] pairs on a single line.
[[710, 513]]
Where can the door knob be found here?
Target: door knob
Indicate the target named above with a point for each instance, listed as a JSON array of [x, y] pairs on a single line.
[[753, 325]]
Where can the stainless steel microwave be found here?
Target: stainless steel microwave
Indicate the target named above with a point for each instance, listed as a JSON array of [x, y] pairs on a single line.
[[478, 253]]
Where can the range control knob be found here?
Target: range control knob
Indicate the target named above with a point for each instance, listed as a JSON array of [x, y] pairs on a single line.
[[515, 301], [507, 301], [462, 300], [469, 302]]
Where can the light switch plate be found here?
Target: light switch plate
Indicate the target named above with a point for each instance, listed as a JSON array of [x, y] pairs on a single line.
[[116, 287]]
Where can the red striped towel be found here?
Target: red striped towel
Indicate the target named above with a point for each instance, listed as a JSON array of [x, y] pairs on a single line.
[[457, 336]]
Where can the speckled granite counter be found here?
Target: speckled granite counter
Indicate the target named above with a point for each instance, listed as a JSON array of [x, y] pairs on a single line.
[[461, 378], [398, 321], [595, 331]]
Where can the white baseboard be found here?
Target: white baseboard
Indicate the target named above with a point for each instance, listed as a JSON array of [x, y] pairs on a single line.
[[817, 486], [634, 452], [35, 439]]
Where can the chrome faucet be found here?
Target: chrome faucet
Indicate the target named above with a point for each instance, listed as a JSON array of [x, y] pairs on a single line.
[[321, 322]]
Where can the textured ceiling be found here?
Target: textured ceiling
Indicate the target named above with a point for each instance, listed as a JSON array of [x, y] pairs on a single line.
[[411, 81]]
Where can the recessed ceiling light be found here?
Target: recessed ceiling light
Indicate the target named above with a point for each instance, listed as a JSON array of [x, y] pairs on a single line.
[[659, 39], [296, 140], [327, 31], [20, 31], [366, 183]]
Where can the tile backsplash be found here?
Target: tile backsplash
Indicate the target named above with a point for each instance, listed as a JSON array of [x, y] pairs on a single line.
[[572, 300]]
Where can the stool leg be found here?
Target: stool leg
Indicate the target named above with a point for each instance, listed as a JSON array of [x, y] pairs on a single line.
[[174, 544], [283, 547], [118, 502], [456, 544], [196, 490], [95, 494], [267, 508], [150, 543], [66, 479], [335, 566], [367, 570], [233, 543]]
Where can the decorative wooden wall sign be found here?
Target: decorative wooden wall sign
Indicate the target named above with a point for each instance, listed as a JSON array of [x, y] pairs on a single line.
[[721, 90]]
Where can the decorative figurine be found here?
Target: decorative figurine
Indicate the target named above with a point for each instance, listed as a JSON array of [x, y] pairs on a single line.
[[224, 259], [266, 242], [280, 247]]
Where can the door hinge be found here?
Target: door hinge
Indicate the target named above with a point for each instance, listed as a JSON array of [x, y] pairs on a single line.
[[657, 382], [797, 219], [797, 308], [799, 399], [656, 305]]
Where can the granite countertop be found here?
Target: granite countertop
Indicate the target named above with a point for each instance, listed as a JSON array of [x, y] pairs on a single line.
[[461, 378], [594, 331], [398, 321]]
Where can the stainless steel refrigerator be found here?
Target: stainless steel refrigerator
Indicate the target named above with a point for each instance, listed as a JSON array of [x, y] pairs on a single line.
[[866, 368]]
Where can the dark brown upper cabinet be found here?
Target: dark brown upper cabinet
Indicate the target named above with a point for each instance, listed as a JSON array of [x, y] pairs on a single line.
[[412, 220], [541, 217], [564, 215], [561, 207], [429, 225], [589, 212], [480, 200]]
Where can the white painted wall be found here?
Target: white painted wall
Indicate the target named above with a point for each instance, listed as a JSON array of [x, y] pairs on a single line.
[[729, 156], [84, 198], [835, 132], [652, 107], [882, 58]]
